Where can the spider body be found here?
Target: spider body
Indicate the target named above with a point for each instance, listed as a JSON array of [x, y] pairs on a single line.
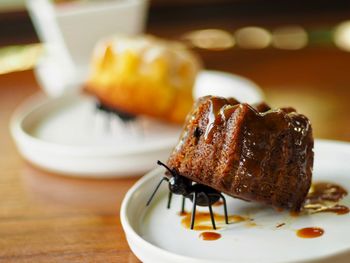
[[199, 194]]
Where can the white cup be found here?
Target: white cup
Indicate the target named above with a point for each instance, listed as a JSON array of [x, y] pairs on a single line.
[[70, 32]]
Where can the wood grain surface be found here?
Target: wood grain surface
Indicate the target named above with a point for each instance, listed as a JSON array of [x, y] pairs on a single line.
[[50, 218]]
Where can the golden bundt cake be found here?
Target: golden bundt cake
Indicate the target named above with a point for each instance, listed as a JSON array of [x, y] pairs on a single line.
[[144, 75]]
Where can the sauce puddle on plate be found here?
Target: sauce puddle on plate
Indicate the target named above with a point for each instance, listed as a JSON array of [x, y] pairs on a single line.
[[209, 236], [310, 232], [218, 203], [203, 221], [324, 197], [280, 225]]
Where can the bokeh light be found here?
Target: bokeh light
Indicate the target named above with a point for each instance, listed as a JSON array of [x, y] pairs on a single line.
[[212, 39], [253, 37], [289, 37], [342, 36]]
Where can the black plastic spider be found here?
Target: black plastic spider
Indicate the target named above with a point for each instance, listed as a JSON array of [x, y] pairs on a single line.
[[199, 194]]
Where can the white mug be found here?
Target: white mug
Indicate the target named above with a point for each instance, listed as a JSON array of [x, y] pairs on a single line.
[[70, 32]]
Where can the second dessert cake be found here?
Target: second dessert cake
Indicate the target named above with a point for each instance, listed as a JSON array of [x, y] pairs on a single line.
[[144, 75], [252, 153]]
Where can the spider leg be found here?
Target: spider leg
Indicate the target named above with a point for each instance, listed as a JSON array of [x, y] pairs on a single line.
[[108, 122], [156, 189], [183, 205], [193, 216], [169, 199], [225, 207], [211, 211], [107, 115]]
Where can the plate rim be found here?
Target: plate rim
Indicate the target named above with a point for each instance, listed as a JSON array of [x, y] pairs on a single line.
[[130, 231], [39, 100], [248, 82]]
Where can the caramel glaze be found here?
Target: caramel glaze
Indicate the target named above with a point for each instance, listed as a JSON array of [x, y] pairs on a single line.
[[310, 232], [221, 110], [262, 107], [215, 116], [324, 197], [209, 236]]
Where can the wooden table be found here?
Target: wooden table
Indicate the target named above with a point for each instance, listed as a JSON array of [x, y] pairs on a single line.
[[50, 218], [46, 218]]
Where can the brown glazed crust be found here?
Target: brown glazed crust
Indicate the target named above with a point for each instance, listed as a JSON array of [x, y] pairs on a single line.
[[256, 156]]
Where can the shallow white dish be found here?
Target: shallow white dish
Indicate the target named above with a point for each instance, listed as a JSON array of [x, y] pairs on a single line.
[[218, 83], [155, 234], [66, 135]]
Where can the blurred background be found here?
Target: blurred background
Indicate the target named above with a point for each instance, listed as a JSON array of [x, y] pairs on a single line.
[[297, 51]]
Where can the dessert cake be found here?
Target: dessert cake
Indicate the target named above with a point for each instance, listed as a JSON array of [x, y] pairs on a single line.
[[249, 152], [144, 75]]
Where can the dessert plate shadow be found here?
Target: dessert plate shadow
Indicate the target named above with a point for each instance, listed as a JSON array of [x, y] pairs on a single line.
[[256, 233], [68, 136]]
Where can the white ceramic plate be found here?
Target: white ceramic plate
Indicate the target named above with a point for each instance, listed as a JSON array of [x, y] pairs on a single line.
[[155, 234], [66, 135], [218, 83]]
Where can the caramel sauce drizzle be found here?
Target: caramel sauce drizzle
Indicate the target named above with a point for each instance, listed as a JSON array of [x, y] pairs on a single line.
[[294, 213], [209, 236], [280, 225], [218, 203], [182, 213], [203, 221], [324, 191], [310, 232], [324, 197]]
